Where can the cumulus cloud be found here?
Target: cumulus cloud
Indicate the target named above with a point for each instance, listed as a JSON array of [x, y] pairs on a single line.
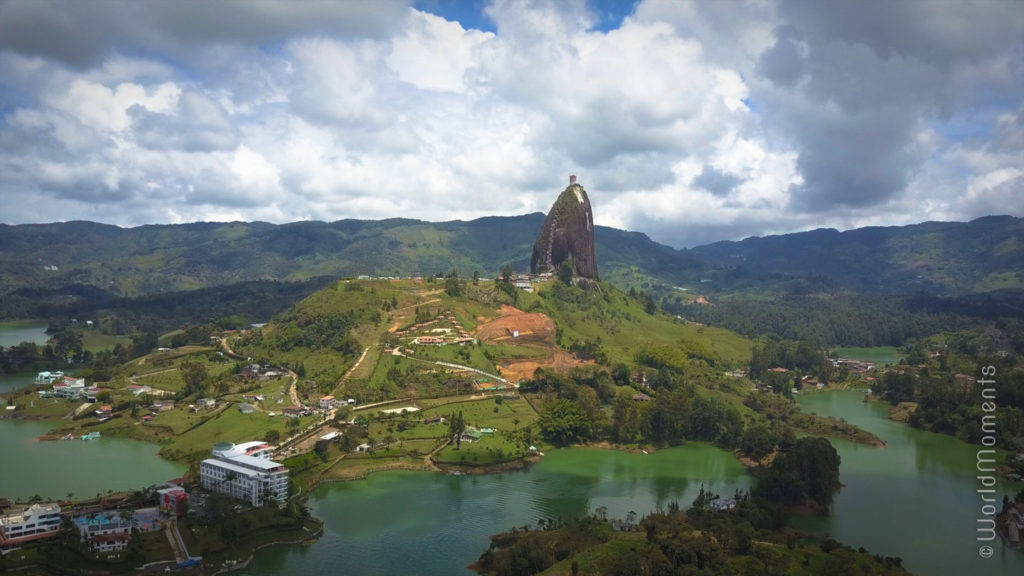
[[691, 121]]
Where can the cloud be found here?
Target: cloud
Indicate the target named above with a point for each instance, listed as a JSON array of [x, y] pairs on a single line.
[[717, 182], [691, 121], [83, 34]]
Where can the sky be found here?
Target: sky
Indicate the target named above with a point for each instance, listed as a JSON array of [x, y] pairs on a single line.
[[689, 121]]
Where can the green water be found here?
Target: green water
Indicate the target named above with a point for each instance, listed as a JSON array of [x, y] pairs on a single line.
[[433, 524], [10, 382], [916, 498], [15, 332], [52, 469]]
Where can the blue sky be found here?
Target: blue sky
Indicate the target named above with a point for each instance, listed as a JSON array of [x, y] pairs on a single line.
[[689, 121]]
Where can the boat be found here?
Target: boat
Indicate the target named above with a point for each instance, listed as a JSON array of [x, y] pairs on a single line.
[[91, 436]]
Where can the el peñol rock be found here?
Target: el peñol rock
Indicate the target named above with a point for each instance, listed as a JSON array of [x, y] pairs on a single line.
[[567, 234]]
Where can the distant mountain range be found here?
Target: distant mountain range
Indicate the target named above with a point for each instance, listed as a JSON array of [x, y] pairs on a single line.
[[939, 258], [81, 259]]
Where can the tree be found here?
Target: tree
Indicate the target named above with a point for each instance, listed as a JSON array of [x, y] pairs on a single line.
[[452, 286], [194, 374], [506, 282], [456, 426], [273, 436], [563, 422], [476, 277], [758, 441], [293, 425], [565, 271], [808, 473]]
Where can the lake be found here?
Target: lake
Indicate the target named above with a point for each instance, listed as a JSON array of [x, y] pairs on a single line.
[[15, 332], [914, 499], [53, 469], [434, 524]]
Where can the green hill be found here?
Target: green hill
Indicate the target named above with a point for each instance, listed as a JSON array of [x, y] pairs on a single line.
[[939, 258], [157, 259]]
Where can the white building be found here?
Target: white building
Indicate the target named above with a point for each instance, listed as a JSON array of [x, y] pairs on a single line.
[[38, 521], [245, 471], [68, 387], [105, 532], [48, 377]]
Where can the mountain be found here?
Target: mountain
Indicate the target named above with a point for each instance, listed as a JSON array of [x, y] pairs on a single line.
[[567, 235], [67, 263], [73, 258], [940, 258]]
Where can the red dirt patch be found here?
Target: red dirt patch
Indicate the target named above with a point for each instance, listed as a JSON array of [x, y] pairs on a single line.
[[561, 361], [533, 327]]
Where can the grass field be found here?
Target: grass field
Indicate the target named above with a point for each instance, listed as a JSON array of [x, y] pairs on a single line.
[[95, 342], [877, 354]]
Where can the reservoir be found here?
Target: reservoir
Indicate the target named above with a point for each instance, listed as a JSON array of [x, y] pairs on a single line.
[[434, 524], [84, 468], [15, 332], [915, 499]]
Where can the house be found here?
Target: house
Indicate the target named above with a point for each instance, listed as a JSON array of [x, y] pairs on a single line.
[[105, 532], [68, 387], [722, 504], [48, 377], [237, 470], [162, 405], [173, 500], [327, 402], [92, 394], [292, 411], [434, 420], [363, 448], [246, 408], [429, 340], [206, 403], [641, 398], [104, 412], [137, 389], [34, 523], [471, 435]]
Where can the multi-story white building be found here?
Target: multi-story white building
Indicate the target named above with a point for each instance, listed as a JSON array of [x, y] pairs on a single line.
[[38, 521], [245, 471], [68, 387], [105, 532]]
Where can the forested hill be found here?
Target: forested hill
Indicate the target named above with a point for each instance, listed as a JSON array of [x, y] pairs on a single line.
[[42, 265], [165, 258], [939, 258]]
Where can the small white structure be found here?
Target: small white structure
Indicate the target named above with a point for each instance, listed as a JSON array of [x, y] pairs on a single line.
[[400, 410]]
